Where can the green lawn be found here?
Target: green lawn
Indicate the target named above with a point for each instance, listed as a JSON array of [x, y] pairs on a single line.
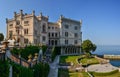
[[73, 59], [75, 74], [86, 61], [66, 73]]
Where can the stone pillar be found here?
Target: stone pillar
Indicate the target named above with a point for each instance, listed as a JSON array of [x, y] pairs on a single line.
[[61, 50], [72, 50], [67, 50], [75, 50]]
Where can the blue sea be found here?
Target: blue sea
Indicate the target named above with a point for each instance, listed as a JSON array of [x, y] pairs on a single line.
[[109, 49]]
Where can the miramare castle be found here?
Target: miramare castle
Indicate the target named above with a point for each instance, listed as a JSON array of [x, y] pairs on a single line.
[[32, 29]]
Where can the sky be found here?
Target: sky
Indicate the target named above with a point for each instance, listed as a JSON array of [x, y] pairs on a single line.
[[101, 18]]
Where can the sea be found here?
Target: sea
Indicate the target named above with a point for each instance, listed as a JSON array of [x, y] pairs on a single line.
[[110, 50]]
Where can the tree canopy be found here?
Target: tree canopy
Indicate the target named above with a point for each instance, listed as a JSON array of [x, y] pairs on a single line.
[[88, 46], [1, 37]]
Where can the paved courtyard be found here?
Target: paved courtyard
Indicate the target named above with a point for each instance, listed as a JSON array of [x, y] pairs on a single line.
[[101, 67]]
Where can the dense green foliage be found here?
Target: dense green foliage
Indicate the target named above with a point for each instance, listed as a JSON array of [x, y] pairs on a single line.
[[4, 69], [63, 72], [55, 52], [26, 51], [20, 71], [44, 47], [104, 73], [41, 70], [67, 73], [87, 47], [1, 37], [38, 70]]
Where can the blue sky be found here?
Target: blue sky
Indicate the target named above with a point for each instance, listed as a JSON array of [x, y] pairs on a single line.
[[101, 18]]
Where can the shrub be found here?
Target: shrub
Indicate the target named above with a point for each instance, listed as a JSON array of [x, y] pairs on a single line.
[[26, 51], [20, 71], [63, 72], [4, 69], [44, 47], [41, 70]]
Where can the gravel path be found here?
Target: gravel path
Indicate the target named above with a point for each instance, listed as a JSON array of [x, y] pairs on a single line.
[[101, 67]]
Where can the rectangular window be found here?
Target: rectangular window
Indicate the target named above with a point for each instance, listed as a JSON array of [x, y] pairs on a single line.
[[44, 38], [26, 22], [56, 28], [66, 34], [66, 42], [35, 32], [11, 25], [48, 27], [76, 35], [25, 31], [25, 40], [66, 26], [52, 27], [75, 42], [48, 34], [56, 35], [76, 27], [52, 34]]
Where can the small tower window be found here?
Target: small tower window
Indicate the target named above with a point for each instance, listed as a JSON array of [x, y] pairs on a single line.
[[66, 26], [44, 28], [17, 22]]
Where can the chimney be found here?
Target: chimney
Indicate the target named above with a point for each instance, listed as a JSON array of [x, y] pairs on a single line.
[[81, 22], [61, 16], [15, 14], [33, 12], [40, 13], [6, 20], [21, 12]]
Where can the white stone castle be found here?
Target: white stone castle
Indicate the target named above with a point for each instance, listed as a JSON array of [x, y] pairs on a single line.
[[32, 29]]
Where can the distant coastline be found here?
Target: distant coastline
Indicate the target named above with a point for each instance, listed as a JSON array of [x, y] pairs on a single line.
[[107, 49], [110, 50]]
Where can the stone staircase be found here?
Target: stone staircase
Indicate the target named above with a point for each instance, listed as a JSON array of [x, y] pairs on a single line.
[[48, 54], [54, 68]]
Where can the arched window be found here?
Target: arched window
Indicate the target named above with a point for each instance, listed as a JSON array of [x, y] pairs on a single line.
[[44, 28]]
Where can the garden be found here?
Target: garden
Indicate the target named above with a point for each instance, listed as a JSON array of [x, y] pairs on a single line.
[[67, 73], [38, 70], [81, 59]]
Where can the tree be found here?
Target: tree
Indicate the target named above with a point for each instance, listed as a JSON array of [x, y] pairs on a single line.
[[88, 46], [1, 37]]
